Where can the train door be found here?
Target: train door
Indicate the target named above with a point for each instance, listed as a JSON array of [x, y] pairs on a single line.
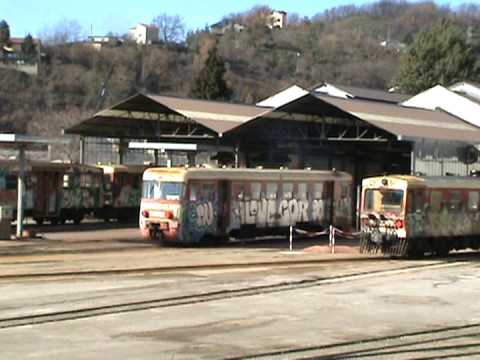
[[223, 207], [46, 193], [330, 196]]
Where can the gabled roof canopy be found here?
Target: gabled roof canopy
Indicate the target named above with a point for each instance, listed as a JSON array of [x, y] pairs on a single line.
[[147, 116]]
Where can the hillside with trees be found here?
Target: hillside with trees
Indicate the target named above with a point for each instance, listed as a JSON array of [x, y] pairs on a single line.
[[364, 46]]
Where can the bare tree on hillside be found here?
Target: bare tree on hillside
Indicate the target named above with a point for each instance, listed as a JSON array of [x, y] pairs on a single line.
[[65, 31], [171, 28]]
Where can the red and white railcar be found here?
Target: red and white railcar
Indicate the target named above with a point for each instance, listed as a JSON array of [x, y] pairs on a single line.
[[189, 205], [410, 215]]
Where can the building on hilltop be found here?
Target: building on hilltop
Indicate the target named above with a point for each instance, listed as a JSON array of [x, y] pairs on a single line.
[[144, 34], [16, 43], [223, 26], [98, 42], [277, 20]]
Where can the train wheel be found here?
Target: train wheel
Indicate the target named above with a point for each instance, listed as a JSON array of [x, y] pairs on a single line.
[[54, 221], [39, 221], [415, 250], [441, 247], [222, 240], [77, 219]]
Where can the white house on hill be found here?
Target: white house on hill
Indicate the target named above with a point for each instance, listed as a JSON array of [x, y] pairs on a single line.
[[144, 34]]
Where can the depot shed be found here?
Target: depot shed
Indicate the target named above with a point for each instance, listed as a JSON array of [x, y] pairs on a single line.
[[296, 128]]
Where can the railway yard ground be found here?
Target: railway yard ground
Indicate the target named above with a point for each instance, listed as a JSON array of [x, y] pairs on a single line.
[[100, 291]]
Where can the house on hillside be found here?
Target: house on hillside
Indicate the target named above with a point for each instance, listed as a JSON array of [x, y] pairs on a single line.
[[277, 20], [398, 46], [98, 42], [12, 56], [16, 43], [144, 34], [225, 25]]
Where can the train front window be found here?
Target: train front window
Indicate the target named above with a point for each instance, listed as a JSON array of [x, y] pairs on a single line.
[[165, 190], [383, 200]]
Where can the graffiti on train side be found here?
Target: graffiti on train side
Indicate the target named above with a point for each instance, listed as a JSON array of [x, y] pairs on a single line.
[[201, 215], [442, 223], [204, 213], [270, 212]]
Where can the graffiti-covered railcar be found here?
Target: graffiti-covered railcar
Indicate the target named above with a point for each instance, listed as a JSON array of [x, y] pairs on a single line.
[[122, 188], [189, 205], [411, 215], [55, 192]]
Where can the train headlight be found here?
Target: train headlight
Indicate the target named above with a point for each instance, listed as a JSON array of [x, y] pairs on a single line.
[[145, 214]]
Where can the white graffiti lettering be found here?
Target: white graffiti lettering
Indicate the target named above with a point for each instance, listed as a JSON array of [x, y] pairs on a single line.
[[205, 214], [267, 213]]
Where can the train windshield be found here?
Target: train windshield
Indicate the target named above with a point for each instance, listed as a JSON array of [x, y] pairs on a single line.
[[383, 200], [162, 190]]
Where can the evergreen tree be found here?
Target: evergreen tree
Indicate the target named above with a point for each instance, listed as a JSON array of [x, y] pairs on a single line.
[[210, 83], [4, 33], [29, 49], [439, 56]]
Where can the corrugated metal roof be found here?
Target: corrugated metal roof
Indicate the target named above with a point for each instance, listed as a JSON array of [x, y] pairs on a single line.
[[141, 110], [218, 116], [142, 116], [408, 122]]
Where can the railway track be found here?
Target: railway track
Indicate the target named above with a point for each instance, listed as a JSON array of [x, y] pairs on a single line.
[[453, 258], [170, 269], [448, 342], [205, 297]]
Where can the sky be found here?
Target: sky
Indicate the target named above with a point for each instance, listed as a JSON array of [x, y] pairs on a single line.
[[98, 17]]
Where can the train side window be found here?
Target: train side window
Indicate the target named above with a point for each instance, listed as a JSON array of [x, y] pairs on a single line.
[[67, 181], [369, 200], [473, 197], [455, 202], [418, 201], [255, 190], [193, 192], [107, 183], [301, 191], [272, 189], [208, 191], [287, 190], [435, 201], [238, 191], [318, 190], [11, 182]]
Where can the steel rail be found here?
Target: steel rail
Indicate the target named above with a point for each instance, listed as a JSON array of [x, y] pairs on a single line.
[[453, 258], [370, 347], [169, 269], [204, 297]]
